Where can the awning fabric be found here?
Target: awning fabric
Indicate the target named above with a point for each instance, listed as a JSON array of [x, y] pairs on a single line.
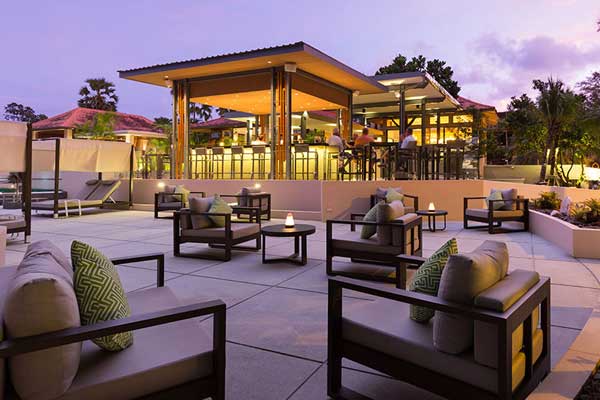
[[82, 155], [13, 141]]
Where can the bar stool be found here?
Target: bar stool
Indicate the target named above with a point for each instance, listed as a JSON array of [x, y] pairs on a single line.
[[258, 161], [217, 162], [334, 163], [200, 165], [237, 157]]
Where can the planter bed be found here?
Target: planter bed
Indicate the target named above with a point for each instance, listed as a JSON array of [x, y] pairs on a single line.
[[578, 242]]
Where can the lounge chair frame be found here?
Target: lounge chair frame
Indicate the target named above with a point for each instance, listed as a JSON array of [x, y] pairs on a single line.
[[493, 223]]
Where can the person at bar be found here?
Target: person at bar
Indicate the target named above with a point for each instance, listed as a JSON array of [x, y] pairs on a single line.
[[363, 139], [408, 140], [336, 141]]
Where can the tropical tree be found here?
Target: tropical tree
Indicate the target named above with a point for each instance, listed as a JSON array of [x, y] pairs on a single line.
[[437, 68], [100, 127], [526, 129], [19, 112], [98, 94], [222, 111], [200, 112], [558, 106]]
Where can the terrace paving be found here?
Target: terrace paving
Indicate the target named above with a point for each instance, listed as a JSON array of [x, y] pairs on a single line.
[[276, 323]]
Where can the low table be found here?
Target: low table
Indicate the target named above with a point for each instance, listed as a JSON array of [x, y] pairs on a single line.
[[299, 232], [431, 218]]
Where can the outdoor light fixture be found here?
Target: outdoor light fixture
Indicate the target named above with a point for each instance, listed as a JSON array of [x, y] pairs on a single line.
[[289, 67], [168, 83], [397, 93], [257, 185], [161, 185], [431, 207], [289, 220]]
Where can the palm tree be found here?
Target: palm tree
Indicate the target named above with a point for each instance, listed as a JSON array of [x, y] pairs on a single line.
[[200, 112], [555, 102], [98, 94]]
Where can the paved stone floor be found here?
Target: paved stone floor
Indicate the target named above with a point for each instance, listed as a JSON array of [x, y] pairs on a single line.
[[277, 312]]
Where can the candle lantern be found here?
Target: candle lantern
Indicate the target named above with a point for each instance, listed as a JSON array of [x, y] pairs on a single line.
[[289, 221]]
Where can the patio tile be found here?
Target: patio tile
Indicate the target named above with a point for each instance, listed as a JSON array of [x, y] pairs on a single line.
[[570, 317], [137, 278], [467, 245], [284, 320], [123, 249], [374, 386], [195, 288], [520, 263], [569, 296], [544, 251], [249, 268], [254, 374], [316, 250], [587, 341], [561, 339], [571, 273]]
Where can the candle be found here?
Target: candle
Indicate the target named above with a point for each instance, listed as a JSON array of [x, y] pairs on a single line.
[[161, 185], [431, 207], [257, 185], [289, 221]]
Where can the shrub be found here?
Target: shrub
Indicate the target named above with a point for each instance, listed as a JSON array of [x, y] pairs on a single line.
[[547, 201], [593, 206]]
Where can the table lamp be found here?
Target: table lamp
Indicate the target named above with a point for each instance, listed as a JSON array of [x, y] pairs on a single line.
[[289, 221]]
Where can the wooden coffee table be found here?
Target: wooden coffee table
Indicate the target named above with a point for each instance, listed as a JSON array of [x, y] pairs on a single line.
[[299, 232], [431, 218]]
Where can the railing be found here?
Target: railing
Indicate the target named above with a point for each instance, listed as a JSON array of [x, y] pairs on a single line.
[[377, 161]]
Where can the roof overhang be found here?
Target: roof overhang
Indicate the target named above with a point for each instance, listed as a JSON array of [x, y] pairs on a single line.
[[418, 87], [306, 58], [145, 134]]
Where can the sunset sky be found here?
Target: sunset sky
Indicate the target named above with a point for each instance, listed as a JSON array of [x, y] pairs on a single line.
[[495, 47]]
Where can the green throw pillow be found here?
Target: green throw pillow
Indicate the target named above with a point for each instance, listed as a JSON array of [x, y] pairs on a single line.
[[427, 279], [393, 195], [219, 206], [495, 195], [99, 293], [371, 216], [185, 194]]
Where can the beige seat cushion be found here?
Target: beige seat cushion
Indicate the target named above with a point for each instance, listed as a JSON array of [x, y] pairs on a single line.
[[6, 275], [371, 326], [171, 205], [353, 241], [199, 205], [483, 213], [41, 299], [238, 230], [409, 210], [161, 357], [463, 278]]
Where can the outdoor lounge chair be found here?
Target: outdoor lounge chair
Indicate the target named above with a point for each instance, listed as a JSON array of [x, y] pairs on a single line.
[[509, 337], [94, 194], [514, 208], [172, 355], [168, 200], [397, 234], [249, 198], [227, 238]]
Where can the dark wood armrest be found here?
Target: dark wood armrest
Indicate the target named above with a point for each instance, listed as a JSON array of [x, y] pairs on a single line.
[[202, 193], [419, 299], [415, 200], [160, 264], [13, 347], [476, 198]]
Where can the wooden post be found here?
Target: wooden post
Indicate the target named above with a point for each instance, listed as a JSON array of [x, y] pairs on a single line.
[[423, 122], [174, 144], [185, 111], [27, 186], [56, 175], [273, 126], [288, 125], [131, 156]]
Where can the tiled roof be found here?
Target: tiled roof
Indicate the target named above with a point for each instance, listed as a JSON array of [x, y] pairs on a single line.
[[218, 123], [234, 54], [80, 115], [468, 103]]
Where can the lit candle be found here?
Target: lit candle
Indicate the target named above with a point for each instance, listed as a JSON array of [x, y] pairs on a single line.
[[257, 185], [161, 185], [289, 221], [431, 207]]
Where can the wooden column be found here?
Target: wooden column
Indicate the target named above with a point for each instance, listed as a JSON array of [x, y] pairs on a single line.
[[288, 125], [174, 141], [280, 139], [423, 122], [180, 163], [273, 127]]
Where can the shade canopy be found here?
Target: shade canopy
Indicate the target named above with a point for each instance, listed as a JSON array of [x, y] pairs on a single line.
[[418, 87], [82, 155], [13, 142]]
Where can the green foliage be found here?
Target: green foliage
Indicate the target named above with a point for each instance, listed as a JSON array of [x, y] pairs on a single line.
[[587, 212], [101, 127], [200, 112], [547, 201], [98, 94], [19, 112], [527, 130], [436, 68], [579, 213], [594, 208]]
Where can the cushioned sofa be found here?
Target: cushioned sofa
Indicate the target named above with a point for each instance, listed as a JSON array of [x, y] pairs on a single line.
[[47, 354], [508, 206], [489, 338]]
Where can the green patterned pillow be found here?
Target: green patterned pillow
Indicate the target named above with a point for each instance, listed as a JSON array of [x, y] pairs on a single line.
[[393, 195], [427, 279], [185, 194], [99, 293], [219, 206], [369, 230], [495, 195]]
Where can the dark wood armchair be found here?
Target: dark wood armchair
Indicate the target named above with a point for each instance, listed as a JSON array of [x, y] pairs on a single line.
[[227, 238], [380, 344], [164, 201], [409, 238], [411, 206], [201, 380], [244, 203], [493, 219]]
